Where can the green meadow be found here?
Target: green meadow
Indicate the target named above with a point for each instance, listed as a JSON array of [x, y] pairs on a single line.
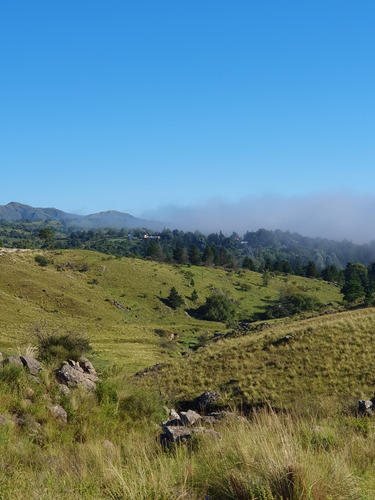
[[291, 384]]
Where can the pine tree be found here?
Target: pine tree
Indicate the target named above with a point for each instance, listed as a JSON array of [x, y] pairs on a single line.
[[174, 299], [194, 256]]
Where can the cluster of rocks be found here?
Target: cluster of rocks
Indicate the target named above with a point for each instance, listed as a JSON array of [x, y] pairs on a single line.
[[69, 375], [32, 364], [74, 373], [366, 407], [181, 426]]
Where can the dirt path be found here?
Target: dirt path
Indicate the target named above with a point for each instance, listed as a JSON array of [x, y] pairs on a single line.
[[13, 250]]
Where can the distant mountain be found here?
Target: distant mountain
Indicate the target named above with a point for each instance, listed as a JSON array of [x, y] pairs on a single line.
[[17, 211]]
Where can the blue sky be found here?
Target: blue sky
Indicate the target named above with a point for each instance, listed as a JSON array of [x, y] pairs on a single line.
[[158, 108]]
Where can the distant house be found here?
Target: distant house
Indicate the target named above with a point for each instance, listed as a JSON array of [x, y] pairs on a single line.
[[148, 237]]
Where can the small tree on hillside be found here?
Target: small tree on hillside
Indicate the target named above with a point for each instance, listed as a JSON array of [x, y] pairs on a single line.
[[194, 256], [48, 236], [174, 299], [248, 264]]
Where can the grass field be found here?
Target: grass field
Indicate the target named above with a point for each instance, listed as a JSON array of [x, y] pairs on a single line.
[[118, 302], [301, 439]]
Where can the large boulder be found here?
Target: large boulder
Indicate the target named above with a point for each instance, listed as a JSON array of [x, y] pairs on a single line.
[[365, 407], [59, 413], [207, 432], [208, 398], [175, 434], [190, 417], [88, 369], [31, 364], [14, 360], [174, 418], [73, 375]]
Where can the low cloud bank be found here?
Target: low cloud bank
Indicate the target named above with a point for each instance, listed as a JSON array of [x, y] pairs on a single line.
[[335, 216]]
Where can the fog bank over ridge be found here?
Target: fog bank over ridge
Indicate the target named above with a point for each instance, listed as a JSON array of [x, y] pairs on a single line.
[[335, 216]]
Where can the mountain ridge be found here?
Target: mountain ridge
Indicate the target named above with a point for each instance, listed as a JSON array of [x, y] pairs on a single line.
[[15, 211]]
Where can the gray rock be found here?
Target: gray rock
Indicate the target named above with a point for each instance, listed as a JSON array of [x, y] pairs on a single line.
[[34, 379], [209, 419], [190, 417], [207, 432], [59, 413], [365, 407], [64, 389], [75, 365], [174, 418], [72, 377], [87, 365], [175, 434], [2, 420], [31, 364], [221, 415], [14, 360], [209, 397]]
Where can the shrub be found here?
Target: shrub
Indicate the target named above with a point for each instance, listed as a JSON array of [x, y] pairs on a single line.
[[217, 308], [106, 392], [41, 260], [142, 404], [291, 301], [61, 346]]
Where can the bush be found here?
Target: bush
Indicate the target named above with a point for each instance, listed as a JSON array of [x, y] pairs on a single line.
[[61, 346], [41, 260], [106, 392], [217, 308], [291, 301]]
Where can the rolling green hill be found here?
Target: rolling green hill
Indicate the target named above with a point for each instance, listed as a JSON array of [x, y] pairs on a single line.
[[312, 366], [120, 302]]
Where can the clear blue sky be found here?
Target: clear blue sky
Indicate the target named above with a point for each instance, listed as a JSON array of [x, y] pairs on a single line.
[[133, 105]]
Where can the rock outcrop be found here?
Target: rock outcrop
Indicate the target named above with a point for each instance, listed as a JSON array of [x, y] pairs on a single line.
[[366, 407], [208, 398], [72, 374], [180, 427], [31, 364], [59, 413]]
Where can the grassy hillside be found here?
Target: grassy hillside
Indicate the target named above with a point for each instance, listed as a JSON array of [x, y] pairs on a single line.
[[118, 302], [109, 446], [326, 357]]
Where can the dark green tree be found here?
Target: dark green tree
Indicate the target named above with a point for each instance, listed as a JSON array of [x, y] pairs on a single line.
[[225, 258], [248, 264], [330, 273], [266, 278], [311, 271], [194, 295], [208, 256], [174, 299], [194, 256], [217, 308], [152, 250], [352, 291], [178, 254], [298, 270], [356, 284], [286, 267], [48, 236]]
